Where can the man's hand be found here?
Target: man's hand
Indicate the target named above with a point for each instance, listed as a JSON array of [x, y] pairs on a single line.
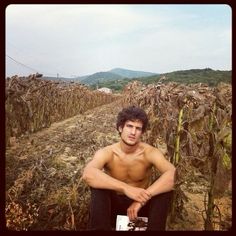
[[132, 211], [137, 194]]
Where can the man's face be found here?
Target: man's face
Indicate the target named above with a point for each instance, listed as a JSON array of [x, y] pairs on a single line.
[[131, 132]]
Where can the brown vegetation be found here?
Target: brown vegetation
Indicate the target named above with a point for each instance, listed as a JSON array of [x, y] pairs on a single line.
[[33, 103], [194, 124], [191, 125]]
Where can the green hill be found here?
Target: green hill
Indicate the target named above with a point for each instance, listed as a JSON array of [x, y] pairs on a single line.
[[131, 73], [100, 77], [113, 75], [207, 76]]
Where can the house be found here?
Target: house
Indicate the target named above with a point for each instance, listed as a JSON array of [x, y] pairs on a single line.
[[105, 90]]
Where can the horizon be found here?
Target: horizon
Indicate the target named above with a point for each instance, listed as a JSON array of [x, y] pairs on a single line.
[[80, 39], [59, 77]]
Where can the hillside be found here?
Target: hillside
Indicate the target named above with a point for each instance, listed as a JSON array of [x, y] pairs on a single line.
[[117, 78], [131, 73], [100, 77], [113, 75], [207, 76]]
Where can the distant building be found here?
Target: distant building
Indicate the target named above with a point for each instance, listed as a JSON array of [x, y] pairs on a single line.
[[105, 90]]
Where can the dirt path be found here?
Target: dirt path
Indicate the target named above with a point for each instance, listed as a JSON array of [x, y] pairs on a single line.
[[70, 140], [44, 169]]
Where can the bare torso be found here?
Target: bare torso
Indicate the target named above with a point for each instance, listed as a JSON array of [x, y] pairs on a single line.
[[133, 169]]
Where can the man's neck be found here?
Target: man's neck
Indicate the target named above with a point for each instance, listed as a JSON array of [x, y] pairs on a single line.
[[128, 148]]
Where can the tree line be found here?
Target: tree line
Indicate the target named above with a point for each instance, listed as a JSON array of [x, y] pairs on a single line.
[[206, 76]]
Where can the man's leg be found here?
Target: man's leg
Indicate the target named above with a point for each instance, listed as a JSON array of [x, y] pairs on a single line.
[[119, 206], [100, 210], [158, 211]]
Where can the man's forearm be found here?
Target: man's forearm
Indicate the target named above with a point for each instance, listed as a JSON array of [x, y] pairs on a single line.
[[98, 179], [164, 183]]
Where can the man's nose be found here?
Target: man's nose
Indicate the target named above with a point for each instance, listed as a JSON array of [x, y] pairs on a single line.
[[133, 130]]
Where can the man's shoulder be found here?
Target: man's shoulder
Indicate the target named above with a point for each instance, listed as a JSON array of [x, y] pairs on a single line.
[[108, 149], [149, 149]]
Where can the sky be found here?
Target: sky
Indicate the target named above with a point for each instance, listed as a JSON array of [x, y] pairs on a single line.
[[69, 40]]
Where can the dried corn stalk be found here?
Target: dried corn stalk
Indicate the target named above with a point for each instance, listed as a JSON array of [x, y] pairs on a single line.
[[33, 103], [165, 105]]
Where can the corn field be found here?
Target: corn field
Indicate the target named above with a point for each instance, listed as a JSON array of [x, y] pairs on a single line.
[[194, 122], [32, 103], [190, 124]]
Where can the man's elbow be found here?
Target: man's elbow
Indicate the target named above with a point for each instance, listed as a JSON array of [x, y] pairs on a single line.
[[86, 177], [173, 178], [170, 178]]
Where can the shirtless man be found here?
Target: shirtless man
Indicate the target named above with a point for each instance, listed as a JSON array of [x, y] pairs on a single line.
[[120, 177]]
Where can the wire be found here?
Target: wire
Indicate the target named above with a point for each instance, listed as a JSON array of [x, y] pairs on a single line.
[[21, 63]]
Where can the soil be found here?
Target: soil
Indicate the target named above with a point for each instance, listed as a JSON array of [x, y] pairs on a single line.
[[40, 166]]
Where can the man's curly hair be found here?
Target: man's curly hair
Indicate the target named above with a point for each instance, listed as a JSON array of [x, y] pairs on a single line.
[[132, 113]]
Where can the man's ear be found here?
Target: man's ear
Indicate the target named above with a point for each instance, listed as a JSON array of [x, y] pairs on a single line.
[[120, 129]]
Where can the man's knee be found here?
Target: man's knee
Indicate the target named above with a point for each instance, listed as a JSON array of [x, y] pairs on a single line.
[[168, 195], [98, 191], [163, 197], [100, 195]]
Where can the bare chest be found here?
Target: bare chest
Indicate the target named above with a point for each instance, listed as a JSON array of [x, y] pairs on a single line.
[[129, 168]]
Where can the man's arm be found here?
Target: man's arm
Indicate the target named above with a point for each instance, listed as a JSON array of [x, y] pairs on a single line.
[[95, 177], [166, 181]]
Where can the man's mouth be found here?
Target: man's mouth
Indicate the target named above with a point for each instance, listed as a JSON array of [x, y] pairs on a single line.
[[131, 137]]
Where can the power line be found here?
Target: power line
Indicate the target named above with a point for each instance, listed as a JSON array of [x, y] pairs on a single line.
[[21, 63], [22, 53], [24, 65]]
